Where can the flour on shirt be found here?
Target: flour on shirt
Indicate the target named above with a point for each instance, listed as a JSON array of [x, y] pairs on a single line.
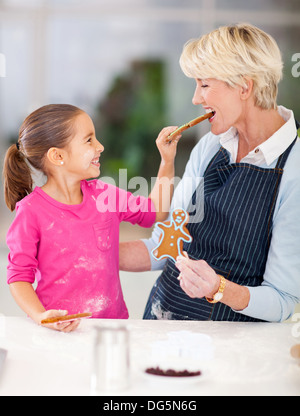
[[61, 281], [50, 226], [87, 264], [97, 304]]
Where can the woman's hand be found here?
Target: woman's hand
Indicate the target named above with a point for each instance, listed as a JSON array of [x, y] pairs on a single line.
[[197, 278], [167, 147], [58, 326]]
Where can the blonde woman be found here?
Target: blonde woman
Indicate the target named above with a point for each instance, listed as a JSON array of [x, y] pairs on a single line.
[[243, 263]]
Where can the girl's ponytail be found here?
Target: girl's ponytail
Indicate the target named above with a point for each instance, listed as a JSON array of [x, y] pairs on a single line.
[[17, 177]]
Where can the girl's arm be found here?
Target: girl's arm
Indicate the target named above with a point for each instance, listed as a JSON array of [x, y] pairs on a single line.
[[29, 302], [134, 257], [27, 299], [163, 189]]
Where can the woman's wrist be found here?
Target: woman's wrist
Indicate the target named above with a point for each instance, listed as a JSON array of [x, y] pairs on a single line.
[[216, 287], [236, 296]]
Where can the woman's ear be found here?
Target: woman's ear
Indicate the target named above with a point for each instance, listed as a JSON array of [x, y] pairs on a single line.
[[246, 88], [55, 156]]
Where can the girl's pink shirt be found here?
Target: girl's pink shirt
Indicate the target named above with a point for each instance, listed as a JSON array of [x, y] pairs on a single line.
[[72, 251]]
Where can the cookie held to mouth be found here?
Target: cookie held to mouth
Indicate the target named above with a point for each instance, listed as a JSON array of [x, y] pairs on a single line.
[[191, 124]]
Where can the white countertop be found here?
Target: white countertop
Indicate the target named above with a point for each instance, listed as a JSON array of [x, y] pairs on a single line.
[[248, 359]]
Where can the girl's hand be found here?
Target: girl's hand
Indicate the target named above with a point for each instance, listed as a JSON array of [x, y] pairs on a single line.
[[59, 326], [163, 189], [167, 147]]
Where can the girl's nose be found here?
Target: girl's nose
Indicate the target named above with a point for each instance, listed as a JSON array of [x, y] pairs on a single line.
[[100, 147]]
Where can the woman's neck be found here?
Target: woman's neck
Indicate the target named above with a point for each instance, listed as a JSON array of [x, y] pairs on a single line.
[[257, 127]]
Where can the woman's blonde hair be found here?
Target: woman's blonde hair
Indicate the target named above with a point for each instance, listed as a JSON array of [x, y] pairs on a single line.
[[232, 53]]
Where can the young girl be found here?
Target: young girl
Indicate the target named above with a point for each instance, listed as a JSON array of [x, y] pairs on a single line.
[[63, 237]]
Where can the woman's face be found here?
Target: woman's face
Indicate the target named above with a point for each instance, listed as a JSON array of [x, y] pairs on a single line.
[[225, 101]]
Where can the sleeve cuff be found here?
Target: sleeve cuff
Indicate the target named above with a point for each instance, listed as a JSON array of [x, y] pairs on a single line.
[[267, 305], [155, 264]]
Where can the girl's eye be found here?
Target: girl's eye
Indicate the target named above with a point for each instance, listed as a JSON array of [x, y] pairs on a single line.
[[204, 86], [89, 140]]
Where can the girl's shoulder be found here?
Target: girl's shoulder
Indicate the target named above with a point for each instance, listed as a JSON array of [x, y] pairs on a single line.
[[96, 186], [29, 203], [102, 192], [26, 214]]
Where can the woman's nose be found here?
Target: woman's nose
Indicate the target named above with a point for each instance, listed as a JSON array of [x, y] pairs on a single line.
[[197, 98]]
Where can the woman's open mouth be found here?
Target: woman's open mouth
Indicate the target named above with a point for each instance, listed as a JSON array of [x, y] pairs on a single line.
[[209, 110]]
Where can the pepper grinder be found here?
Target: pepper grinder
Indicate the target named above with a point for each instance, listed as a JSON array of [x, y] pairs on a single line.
[[111, 366]]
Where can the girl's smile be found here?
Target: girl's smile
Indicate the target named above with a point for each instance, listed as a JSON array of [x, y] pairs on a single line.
[[95, 162]]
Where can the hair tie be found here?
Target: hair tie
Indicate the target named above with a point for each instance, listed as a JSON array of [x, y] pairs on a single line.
[[18, 146]]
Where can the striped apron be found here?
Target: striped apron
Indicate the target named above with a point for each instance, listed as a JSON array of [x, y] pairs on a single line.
[[233, 238]]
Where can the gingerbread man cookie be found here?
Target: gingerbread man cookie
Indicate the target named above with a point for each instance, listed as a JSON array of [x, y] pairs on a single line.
[[174, 233]]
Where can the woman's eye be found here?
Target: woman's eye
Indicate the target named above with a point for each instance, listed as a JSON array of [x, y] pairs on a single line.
[[204, 86], [89, 140]]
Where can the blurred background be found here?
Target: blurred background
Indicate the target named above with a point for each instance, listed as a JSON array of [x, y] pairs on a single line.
[[118, 61]]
